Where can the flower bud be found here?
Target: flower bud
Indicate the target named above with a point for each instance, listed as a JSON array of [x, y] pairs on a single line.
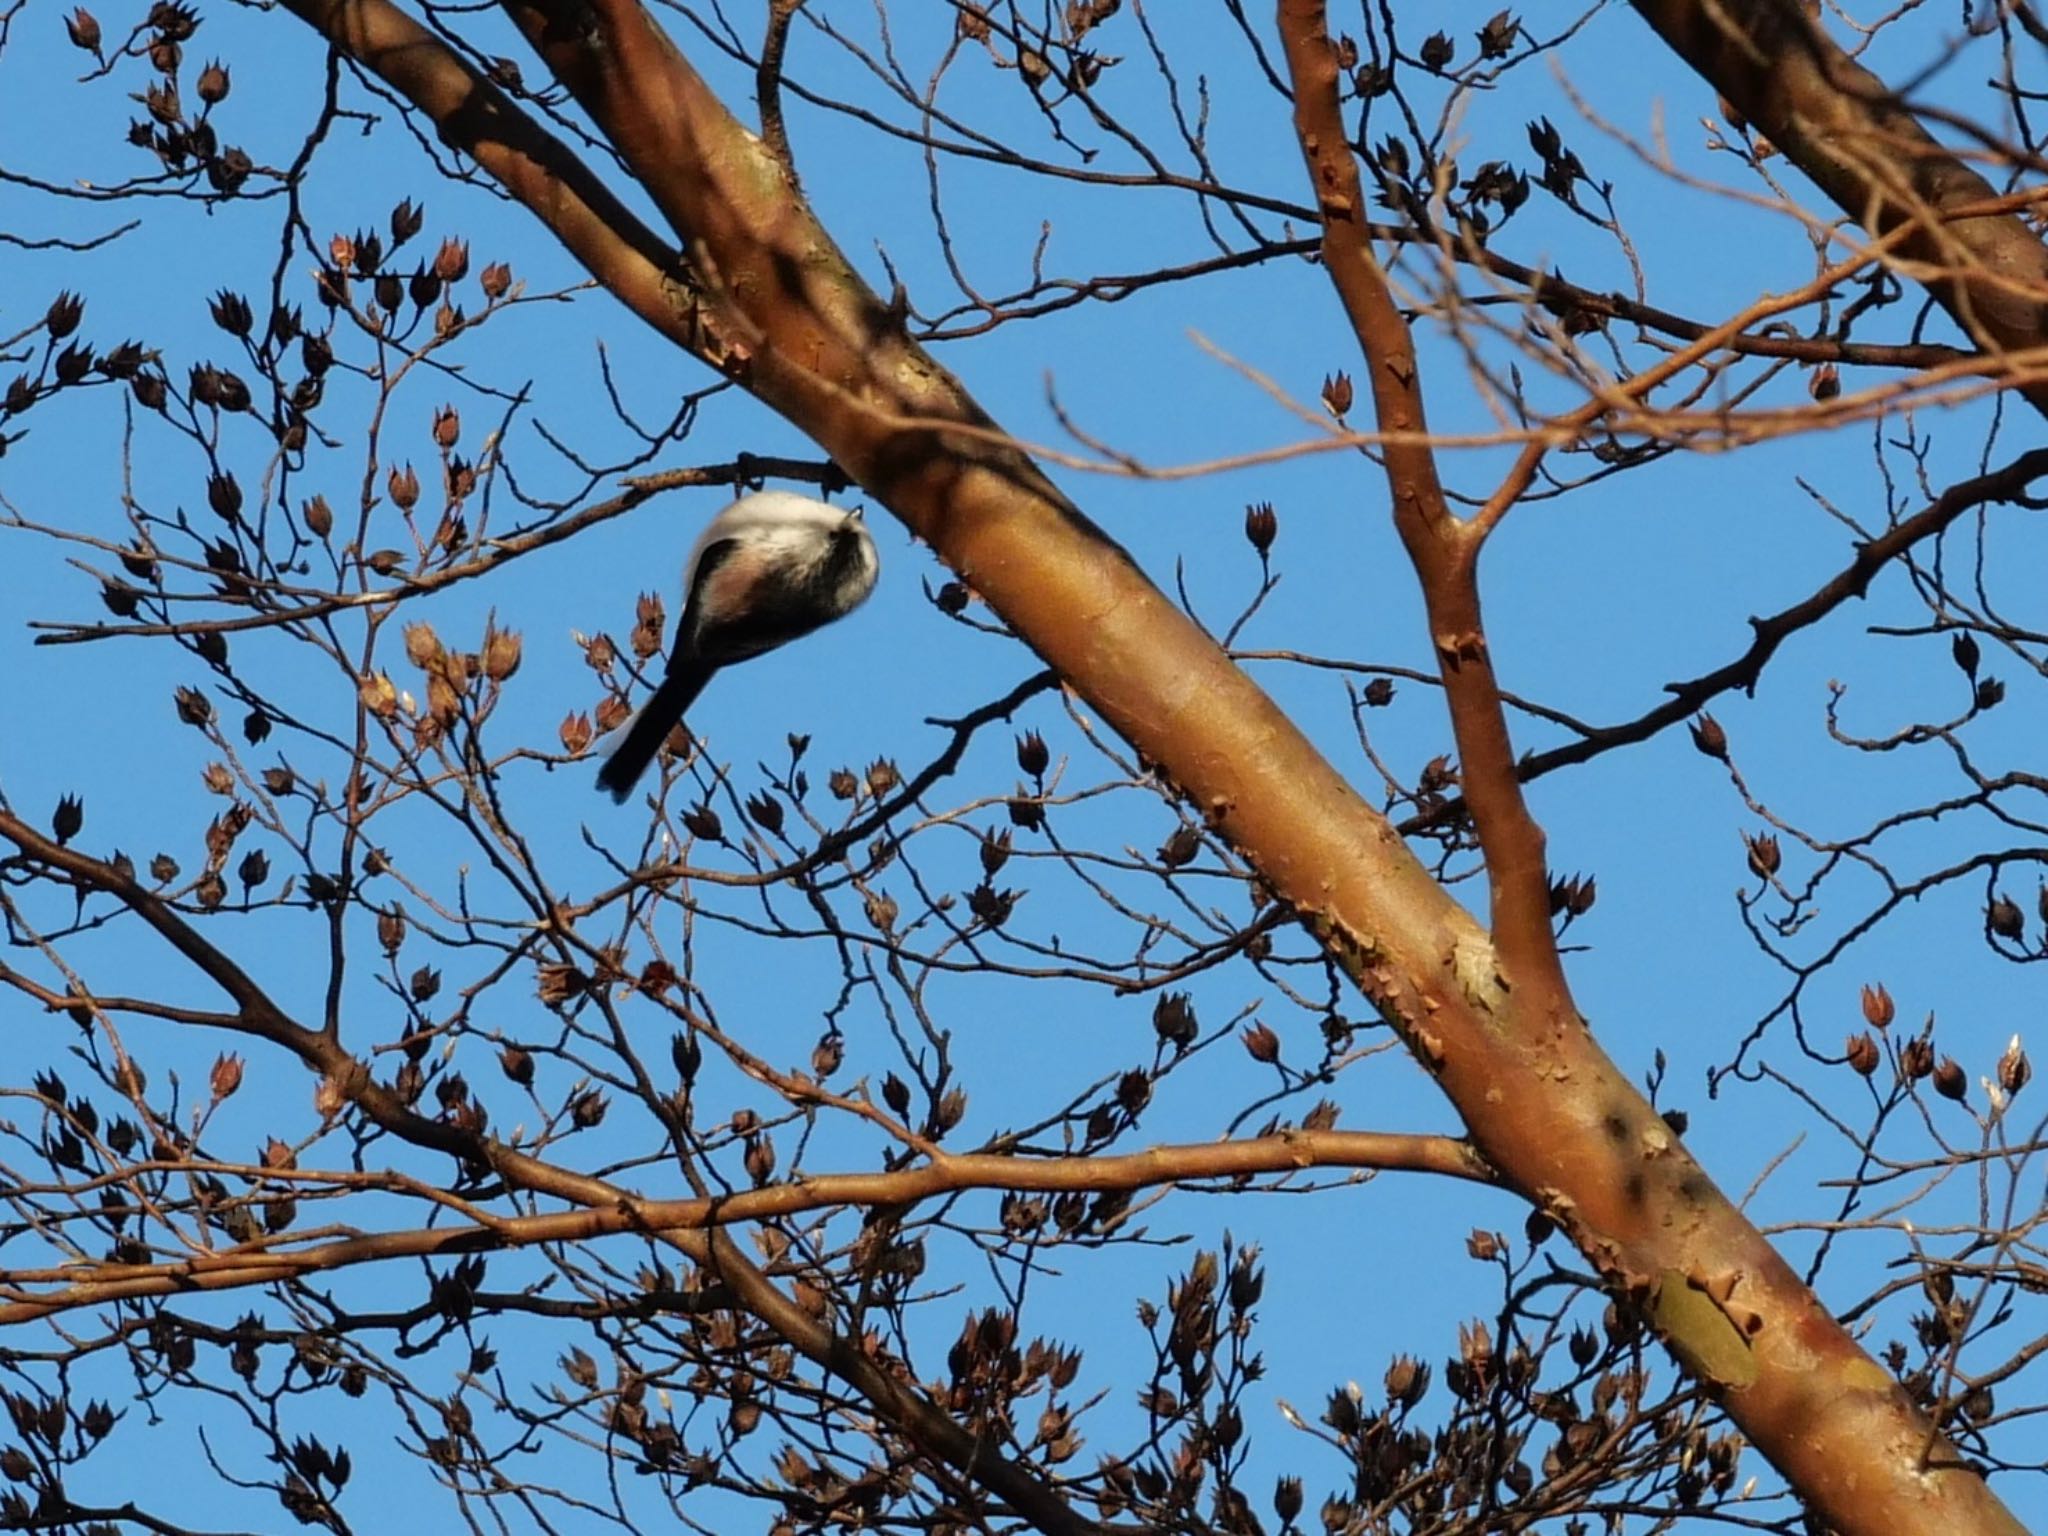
[[84, 28], [1863, 1053], [496, 280], [1337, 394], [1878, 1009], [213, 83]]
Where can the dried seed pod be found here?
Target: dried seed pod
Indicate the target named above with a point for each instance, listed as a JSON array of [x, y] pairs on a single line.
[[1949, 1081], [1032, 755], [226, 1076], [1261, 525], [2013, 1068], [1710, 738], [2004, 918], [63, 315]]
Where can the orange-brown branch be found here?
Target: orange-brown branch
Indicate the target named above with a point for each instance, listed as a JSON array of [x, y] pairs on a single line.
[[1860, 144], [1544, 1104], [905, 1406], [265, 1264], [1443, 550]]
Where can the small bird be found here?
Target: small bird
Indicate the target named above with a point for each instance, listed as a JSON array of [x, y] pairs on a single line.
[[769, 568]]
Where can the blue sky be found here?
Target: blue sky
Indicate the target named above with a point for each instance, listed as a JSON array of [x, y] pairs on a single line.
[[1596, 600]]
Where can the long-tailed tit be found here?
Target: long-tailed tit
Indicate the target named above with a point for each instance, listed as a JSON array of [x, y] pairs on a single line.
[[770, 567]]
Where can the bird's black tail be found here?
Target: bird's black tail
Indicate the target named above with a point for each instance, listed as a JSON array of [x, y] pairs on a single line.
[[649, 729]]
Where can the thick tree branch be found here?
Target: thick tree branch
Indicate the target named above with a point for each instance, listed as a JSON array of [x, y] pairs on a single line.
[[905, 1407], [642, 271], [265, 1264], [1769, 633], [1854, 138], [1544, 1105], [1444, 551], [1702, 1308]]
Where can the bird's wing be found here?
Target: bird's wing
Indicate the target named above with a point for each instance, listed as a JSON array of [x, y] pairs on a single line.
[[716, 578], [743, 585]]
